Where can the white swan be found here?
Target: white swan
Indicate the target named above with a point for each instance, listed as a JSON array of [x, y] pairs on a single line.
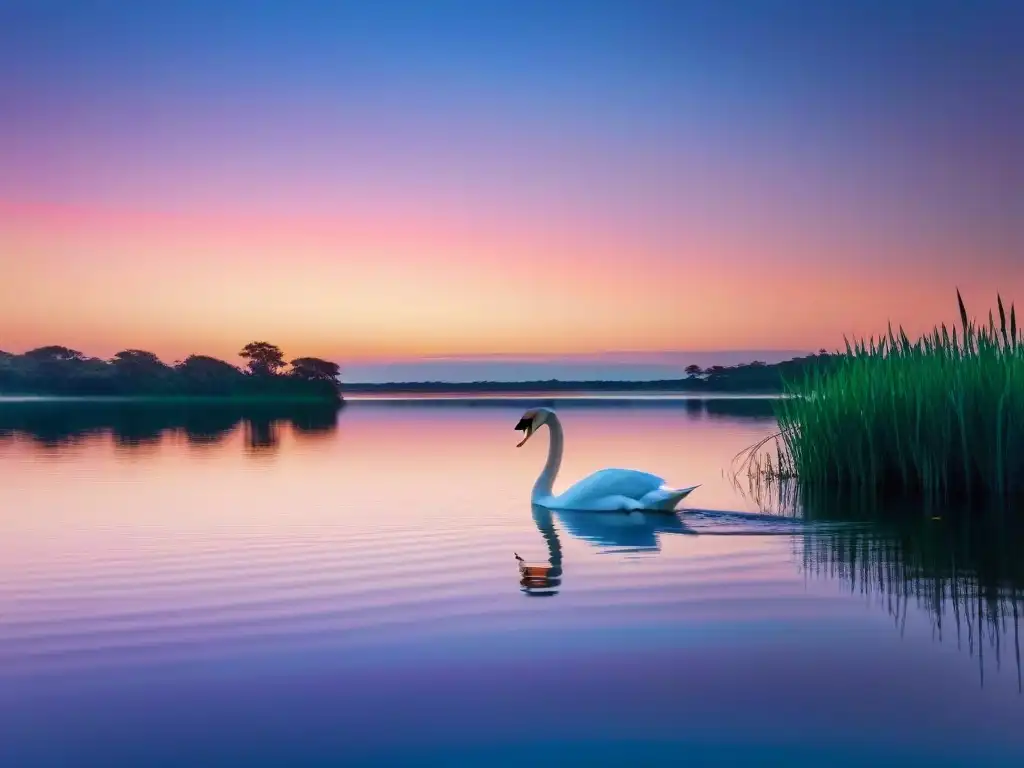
[[607, 490]]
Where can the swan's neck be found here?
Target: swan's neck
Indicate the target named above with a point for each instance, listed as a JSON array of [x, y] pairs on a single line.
[[542, 487], [546, 525]]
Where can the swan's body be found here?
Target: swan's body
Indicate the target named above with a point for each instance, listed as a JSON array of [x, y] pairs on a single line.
[[607, 490]]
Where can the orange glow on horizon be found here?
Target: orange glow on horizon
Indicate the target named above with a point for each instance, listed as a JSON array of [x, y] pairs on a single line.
[[402, 285]]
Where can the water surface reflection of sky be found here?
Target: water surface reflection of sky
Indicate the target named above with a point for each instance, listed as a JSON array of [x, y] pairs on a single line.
[[310, 592]]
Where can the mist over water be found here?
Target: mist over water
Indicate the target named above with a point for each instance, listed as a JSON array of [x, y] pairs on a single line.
[[186, 586]]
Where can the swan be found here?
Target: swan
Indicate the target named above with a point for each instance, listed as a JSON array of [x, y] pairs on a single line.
[[607, 490]]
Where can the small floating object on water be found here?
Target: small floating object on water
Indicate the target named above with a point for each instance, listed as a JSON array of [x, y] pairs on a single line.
[[532, 571], [538, 579]]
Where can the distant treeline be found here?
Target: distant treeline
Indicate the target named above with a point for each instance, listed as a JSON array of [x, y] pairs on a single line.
[[755, 377], [57, 370]]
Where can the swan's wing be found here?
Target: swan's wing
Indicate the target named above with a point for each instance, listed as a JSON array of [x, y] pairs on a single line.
[[666, 499], [610, 482]]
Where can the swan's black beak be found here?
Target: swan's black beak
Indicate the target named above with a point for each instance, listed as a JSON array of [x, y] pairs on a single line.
[[525, 425]]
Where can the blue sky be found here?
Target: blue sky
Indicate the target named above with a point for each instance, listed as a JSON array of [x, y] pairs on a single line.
[[449, 178]]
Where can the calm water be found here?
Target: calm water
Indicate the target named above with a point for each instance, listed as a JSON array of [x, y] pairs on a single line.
[[183, 587]]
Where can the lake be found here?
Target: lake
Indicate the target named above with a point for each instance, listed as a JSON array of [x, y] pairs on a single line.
[[214, 586]]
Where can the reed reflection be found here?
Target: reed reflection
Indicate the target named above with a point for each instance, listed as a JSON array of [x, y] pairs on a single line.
[[963, 570], [135, 425], [610, 531], [959, 565]]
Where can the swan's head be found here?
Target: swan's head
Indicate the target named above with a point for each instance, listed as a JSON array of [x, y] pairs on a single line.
[[530, 423]]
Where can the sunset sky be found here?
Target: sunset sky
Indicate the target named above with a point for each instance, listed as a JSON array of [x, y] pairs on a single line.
[[384, 181]]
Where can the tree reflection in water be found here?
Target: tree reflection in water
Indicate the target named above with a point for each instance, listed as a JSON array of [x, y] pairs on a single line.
[[132, 425]]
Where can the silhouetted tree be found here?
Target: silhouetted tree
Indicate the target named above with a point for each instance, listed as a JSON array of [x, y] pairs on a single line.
[[204, 366], [694, 370], [135, 362], [265, 359], [57, 365], [53, 353], [314, 369], [137, 357], [203, 375], [90, 376], [138, 369]]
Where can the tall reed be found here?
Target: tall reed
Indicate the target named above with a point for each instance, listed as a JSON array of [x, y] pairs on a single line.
[[934, 419]]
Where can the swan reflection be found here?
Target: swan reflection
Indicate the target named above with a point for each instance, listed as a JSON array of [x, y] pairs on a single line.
[[626, 532]]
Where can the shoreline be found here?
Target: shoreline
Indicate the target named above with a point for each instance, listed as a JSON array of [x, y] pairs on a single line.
[[400, 395], [662, 387], [22, 398]]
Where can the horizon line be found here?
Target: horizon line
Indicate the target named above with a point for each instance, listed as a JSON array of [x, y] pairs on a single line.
[[511, 357], [566, 356]]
